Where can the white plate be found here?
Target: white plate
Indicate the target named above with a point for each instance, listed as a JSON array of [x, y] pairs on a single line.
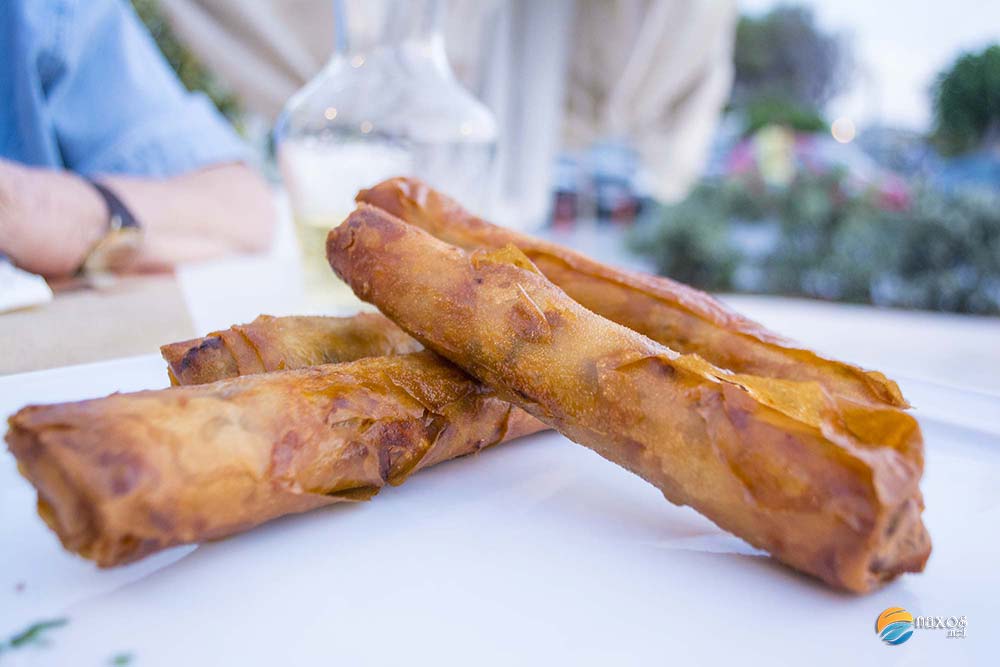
[[534, 552]]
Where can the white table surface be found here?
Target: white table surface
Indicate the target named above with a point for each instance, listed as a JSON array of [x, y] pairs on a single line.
[[534, 552]]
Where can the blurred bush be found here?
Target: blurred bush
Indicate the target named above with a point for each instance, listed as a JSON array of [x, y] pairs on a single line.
[[192, 73], [764, 111], [820, 237], [967, 103], [786, 69]]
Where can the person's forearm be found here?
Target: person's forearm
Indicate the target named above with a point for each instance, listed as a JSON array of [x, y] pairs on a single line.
[[51, 219], [197, 215]]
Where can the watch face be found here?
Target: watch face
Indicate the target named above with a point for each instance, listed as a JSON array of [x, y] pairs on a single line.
[[114, 252]]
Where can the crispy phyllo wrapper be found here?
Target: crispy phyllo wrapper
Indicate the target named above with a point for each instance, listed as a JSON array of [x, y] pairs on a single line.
[[681, 317], [124, 476], [283, 343], [824, 478]]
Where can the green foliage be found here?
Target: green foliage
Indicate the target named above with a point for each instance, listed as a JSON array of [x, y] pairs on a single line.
[[192, 73], [783, 55], [786, 70], [691, 241], [825, 241], [35, 634], [765, 111], [967, 102]]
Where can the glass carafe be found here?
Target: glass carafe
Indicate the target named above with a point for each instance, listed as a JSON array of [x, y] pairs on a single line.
[[386, 104]]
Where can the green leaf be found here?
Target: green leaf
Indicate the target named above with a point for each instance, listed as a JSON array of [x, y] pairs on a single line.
[[34, 634]]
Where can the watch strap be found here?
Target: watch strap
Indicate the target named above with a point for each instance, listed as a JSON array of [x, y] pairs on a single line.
[[119, 216], [119, 242]]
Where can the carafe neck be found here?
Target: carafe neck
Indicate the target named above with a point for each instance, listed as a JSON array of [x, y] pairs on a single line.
[[409, 29]]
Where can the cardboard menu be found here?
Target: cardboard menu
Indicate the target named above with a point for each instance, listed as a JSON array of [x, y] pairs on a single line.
[[128, 316]]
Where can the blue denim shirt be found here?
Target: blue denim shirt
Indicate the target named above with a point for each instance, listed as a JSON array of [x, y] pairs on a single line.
[[83, 86]]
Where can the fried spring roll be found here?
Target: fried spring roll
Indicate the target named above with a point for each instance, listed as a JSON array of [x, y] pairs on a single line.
[[124, 476], [826, 484], [283, 343], [676, 315]]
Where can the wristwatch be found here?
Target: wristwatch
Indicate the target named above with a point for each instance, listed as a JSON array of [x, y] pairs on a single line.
[[121, 240]]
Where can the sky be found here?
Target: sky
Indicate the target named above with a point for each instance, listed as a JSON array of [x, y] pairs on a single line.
[[899, 46]]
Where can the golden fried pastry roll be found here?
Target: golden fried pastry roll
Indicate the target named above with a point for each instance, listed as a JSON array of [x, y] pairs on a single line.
[[121, 477], [283, 343], [676, 315], [825, 483]]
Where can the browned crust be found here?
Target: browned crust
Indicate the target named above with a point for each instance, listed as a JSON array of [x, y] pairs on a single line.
[[676, 315], [826, 482], [124, 476], [283, 343]]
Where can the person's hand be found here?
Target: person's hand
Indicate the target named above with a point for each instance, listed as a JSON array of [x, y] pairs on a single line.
[[49, 219]]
